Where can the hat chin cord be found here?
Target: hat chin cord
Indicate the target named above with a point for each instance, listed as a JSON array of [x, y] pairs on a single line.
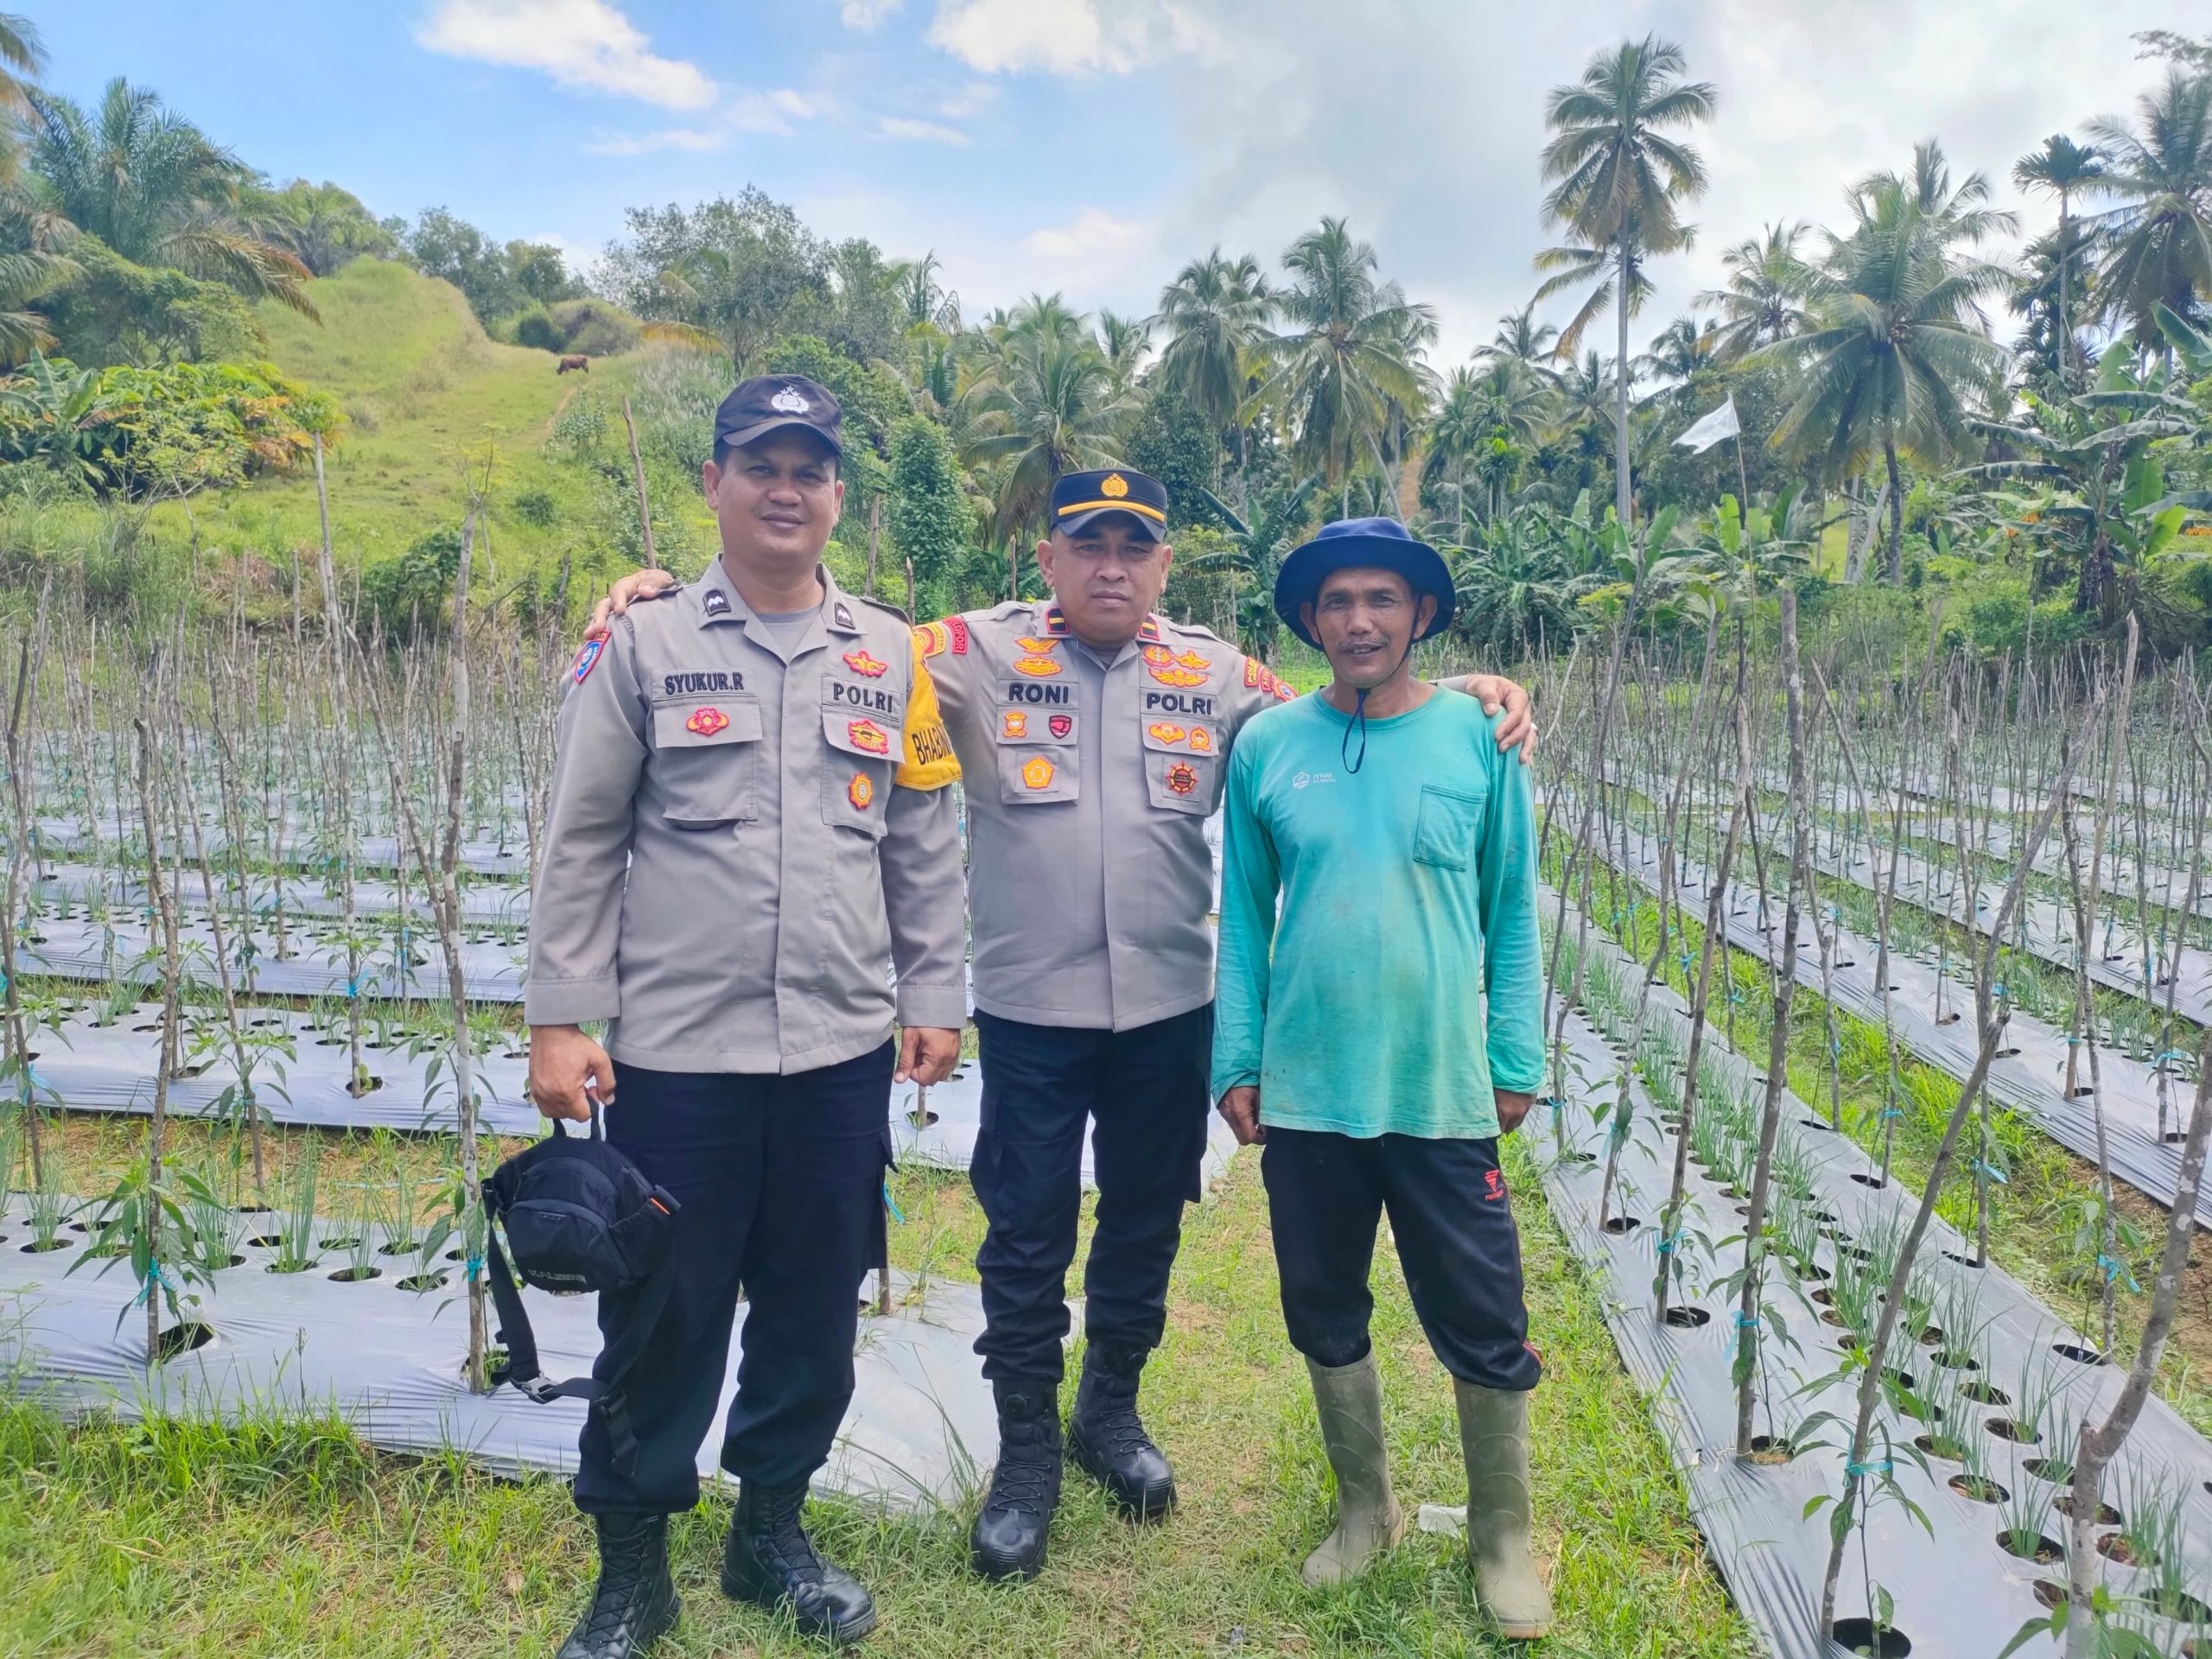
[[1359, 716]]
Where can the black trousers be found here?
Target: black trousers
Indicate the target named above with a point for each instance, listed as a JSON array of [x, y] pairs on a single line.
[[1453, 1224], [781, 1184], [1145, 1090]]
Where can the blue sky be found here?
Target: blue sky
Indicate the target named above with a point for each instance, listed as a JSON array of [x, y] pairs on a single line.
[[1094, 145]]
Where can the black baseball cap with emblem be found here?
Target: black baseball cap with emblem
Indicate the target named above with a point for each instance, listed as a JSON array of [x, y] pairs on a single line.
[[769, 403], [1080, 499]]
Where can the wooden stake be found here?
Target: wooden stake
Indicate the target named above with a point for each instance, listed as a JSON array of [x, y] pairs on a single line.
[[638, 471]]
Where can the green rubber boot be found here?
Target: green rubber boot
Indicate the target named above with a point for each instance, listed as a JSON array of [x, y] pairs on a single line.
[[1369, 1520], [1494, 1436]]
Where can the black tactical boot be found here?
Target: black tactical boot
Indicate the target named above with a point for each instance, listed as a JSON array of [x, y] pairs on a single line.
[[1108, 1442], [1008, 1541], [635, 1601], [771, 1562]]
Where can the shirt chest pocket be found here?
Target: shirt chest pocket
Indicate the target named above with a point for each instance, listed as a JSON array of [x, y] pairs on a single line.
[[863, 727], [706, 750], [1037, 757], [1182, 764], [1447, 825]]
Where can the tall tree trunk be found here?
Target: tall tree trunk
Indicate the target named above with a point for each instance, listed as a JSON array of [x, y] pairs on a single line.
[[1623, 497], [2065, 310], [1897, 514]]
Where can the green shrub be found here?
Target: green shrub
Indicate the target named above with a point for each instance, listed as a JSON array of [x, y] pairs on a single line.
[[535, 329], [535, 507], [409, 593], [592, 327]]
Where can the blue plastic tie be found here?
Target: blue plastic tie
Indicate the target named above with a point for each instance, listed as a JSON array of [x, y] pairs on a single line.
[[352, 990], [892, 1205], [1744, 1322], [1667, 1241], [1992, 1171], [473, 1268], [1892, 1111], [154, 1277], [1860, 1471], [2115, 1270]]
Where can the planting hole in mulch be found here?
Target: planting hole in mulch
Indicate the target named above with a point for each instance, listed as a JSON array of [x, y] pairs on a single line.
[[1952, 1360], [423, 1282], [1945, 1447], [1813, 1270], [2050, 1592], [1864, 1179], [1859, 1635], [266, 1241], [1902, 1377], [1985, 1393], [1619, 1224], [1979, 1488], [2180, 1605], [1688, 1318], [1964, 1260], [357, 1088], [921, 1117], [36, 1249], [341, 1242], [1825, 1297], [1772, 1448], [281, 1266], [2107, 1515], [1931, 1335], [1821, 1124], [1578, 1157], [2057, 1472], [2019, 1433], [182, 1339], [2078, 1354], [2114, 1547], [1856, 1252], [2031, 1547], [253, 1209], [235, 1261], [1826, 1218], [350, 1276]]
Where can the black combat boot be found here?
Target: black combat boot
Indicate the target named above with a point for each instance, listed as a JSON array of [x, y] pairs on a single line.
[[1008, 1541], [1108, 1442], [635, 1601], [771, 1562]]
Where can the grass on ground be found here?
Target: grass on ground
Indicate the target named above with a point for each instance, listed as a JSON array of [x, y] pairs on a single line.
[[277, 1539]]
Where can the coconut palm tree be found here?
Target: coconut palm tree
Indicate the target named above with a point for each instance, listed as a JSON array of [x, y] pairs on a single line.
[[1898, 343], [1763, 298], [1255, 556], [1124, 341], [28, 271], [1044, 405], [156, 190], [2160, 236], [2065, 169], [1618, 179], [1347, 374], [323, 224], [1951, 216], [1486, 421], [1215, 315], [1521, 338]]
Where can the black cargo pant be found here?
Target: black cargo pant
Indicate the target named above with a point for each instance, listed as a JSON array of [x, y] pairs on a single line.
[[781, 1183], [1453, 1225], [1145, 1090]]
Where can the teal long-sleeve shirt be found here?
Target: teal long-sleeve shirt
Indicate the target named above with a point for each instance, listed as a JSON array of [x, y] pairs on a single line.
[[1403, 980]]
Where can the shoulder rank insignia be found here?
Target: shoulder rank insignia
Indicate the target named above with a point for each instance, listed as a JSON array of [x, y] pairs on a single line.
[[588, 659], [867, 735], [1037, 648], [1182, 777], [1149, 628], [843, 615], [1192, 659], [1055, 620], [1037, 668], [707, 721], [937, 637], [1201, 740], [862, 791], [1013, 723], [1037, 774], [1168, 733], [716, 603], [861, 663]]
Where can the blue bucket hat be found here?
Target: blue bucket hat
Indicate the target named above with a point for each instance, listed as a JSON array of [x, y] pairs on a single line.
[[1363, 543]]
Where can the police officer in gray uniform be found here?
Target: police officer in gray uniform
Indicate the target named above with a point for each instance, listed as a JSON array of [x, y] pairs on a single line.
[[750, 822], [1093, 736]]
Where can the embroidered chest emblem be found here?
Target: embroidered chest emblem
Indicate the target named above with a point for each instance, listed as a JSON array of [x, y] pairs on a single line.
[[1201, 740], [1175, 674], [1193, 659], [1167, 733], [707, 721], [1037, 668], [1037, 648], [1158, 656], [1037, 774], [1182, 777], [868, 667], [861, 791], [867, 735], [1061, 724], [1012, 724]]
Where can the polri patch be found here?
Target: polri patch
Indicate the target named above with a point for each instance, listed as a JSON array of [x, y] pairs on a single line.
[[1182, 777], [862, 791], [588, 659], [707, 721], [865, 665], [869, 737]]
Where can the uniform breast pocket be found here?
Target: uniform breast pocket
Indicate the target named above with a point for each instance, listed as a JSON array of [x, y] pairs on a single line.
[[863, 747], [1037, 755], [1182, 766], [706, 752], [1445, 830]]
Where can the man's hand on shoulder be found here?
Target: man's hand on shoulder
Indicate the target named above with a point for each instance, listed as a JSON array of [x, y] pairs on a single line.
[[1494, 692], [639, 584], [1239, 1109]]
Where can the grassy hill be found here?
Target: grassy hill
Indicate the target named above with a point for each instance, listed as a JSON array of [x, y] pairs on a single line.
[[425, 392]]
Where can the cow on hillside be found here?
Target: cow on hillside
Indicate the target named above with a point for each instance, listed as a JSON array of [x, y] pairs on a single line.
[[576, 361]]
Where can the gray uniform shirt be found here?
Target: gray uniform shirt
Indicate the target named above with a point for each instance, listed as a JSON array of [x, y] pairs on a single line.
[[1088, 785], [745, 833]]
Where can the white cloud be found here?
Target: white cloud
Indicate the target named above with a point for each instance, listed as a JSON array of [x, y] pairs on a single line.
[[581, 44], [972, 100], [1093, 238], [646, 143], [920, 132], [772, 111], [865, 15], [1061, 37]]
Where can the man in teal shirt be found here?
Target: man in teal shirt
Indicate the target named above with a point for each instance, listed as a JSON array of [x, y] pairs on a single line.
[[1385, 1031]]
